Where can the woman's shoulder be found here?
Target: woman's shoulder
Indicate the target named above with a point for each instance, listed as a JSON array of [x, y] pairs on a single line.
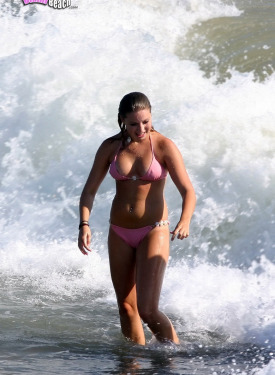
[[111, 142], [109, 147], [160, 141]]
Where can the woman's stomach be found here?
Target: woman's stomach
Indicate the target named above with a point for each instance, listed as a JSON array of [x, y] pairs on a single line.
[[137, 210]]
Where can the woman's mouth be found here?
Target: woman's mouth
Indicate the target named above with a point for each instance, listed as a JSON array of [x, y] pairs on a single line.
[[141, 135]]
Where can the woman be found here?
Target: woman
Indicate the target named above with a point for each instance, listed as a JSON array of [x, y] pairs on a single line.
[[139, 159]]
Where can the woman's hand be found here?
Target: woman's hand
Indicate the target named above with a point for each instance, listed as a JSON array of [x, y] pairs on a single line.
[[181, 230], [84, 239]]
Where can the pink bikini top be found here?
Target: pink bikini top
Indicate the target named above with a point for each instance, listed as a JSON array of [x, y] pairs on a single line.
[[155, 172]]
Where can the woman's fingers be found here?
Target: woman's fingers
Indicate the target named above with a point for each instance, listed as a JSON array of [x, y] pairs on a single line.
[[84, 241], [180, 233]]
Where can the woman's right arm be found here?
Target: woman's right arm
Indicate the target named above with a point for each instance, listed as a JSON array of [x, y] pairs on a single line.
[[96, 176]]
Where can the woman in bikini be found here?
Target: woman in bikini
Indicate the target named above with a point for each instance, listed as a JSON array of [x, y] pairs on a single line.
[[138, 158]]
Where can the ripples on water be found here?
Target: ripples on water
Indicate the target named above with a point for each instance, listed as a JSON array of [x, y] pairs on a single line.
[[245, 43]]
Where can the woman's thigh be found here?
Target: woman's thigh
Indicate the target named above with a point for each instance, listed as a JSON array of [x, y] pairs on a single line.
[[122, 259], [151, 260]]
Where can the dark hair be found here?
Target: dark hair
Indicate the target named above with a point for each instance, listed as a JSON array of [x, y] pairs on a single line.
[[132, 102]]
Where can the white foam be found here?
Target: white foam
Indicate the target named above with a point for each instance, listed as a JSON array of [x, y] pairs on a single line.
[[57, 270], [266, 370], [230, 301]]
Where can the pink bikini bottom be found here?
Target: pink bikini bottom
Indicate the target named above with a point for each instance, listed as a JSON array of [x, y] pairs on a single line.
[[134, 236]]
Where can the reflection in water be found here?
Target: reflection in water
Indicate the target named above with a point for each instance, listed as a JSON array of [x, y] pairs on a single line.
[[196, 359], [155, 357]]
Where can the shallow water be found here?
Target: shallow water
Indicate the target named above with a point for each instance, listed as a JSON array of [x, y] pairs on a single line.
[[207, 67]]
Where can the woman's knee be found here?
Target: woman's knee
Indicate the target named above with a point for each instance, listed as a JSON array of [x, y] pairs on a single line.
[[148, 315], [127, 310]]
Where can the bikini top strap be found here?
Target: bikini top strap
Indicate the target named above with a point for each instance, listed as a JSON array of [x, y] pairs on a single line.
[[151, 144], [117, 151]]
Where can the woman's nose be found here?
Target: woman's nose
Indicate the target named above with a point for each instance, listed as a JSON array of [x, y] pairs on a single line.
[[141, 128]]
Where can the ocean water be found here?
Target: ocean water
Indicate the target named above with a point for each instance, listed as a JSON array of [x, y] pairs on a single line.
[[208, 69]]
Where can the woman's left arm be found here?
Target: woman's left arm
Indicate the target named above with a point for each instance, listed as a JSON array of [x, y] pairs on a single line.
[[175, 165]]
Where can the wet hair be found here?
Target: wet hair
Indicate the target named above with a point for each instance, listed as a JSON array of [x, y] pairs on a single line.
[[132, 102]]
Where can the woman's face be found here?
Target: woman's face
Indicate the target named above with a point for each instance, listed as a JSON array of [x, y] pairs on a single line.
[[138, 124]]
